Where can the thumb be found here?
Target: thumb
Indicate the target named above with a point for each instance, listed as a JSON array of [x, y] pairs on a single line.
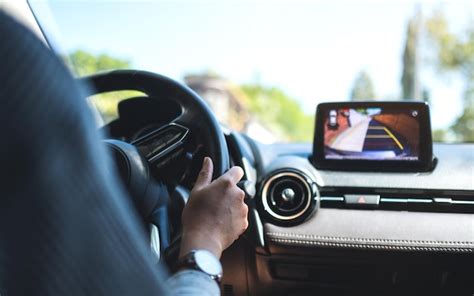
[[205, 175]]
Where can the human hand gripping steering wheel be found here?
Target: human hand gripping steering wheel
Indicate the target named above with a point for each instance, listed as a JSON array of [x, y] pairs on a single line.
[[216, 214]]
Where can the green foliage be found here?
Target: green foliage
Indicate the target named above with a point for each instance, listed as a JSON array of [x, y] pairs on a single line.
[[363, 89], [439, 135], [464, 125], [83, 63], [456, 53], [279, 111]]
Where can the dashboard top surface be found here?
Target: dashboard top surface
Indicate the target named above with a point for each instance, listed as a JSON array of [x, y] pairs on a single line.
[[454, 169]]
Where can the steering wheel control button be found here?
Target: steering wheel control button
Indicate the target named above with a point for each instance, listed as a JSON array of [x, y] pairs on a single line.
[[362, 200], [161, 143]]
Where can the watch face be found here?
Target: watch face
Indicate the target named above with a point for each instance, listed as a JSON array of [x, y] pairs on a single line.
[[207, 262]]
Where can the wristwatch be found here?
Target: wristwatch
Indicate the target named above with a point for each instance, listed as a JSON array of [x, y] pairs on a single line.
[[204, 261]]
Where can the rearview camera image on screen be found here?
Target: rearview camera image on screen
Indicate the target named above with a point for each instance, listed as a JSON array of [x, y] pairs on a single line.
[[371, 134]]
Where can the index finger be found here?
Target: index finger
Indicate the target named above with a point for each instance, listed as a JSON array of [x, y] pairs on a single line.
[[234, 174]]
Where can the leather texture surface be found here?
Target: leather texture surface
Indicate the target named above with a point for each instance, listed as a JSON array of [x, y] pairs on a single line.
[[378, 230]]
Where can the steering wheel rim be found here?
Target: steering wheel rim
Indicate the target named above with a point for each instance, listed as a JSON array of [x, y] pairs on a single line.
[[195, 117], [195, 113]]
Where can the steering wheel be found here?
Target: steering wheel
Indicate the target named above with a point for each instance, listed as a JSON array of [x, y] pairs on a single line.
[[138, 161]]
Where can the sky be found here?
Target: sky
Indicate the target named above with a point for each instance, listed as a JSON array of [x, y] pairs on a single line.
[[313, 50]]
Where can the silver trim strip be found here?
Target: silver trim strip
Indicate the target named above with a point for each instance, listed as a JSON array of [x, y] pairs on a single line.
[[395, 200], [332, 198], [419, 200], [462, 202]]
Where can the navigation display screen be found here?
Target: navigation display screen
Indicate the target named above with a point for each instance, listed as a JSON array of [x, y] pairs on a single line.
[[376, 136], [372, 134]]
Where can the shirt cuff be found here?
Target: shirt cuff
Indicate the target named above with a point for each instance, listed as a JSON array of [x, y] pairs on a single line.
[[193, 282]]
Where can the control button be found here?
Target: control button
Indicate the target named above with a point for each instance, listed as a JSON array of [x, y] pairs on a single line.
[[288, 195], [443, 200], [362, 199]]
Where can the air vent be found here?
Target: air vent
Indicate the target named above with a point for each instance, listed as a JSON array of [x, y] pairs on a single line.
[[421, 202], [289, 196]]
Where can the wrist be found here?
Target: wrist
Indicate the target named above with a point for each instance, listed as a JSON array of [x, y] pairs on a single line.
[[201, 260], [199, 241]]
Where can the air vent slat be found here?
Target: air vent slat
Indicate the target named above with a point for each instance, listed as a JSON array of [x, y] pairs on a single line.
[[402, 202]]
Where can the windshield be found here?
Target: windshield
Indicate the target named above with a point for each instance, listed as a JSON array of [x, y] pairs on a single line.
[[263, 66]]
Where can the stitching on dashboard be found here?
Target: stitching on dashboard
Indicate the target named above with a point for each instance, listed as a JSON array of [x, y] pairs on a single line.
[[367, 240], [381, 247]]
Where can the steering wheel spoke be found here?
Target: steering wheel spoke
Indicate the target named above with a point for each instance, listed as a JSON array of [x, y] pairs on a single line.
[[162, 144]]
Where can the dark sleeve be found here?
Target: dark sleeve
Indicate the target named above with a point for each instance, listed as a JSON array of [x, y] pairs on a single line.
[[66, 227]]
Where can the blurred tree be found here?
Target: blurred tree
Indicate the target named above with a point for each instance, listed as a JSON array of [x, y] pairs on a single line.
[[456, 53], [363, 89], [453, 52], [463, 127], [279, 111], [84, 63], [409, 80], [439, 135]]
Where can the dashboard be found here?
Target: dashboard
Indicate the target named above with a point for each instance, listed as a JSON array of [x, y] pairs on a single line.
[[385, 232], [328, 231]]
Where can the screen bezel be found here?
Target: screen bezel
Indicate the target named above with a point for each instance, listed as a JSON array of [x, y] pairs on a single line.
[[425, 162]]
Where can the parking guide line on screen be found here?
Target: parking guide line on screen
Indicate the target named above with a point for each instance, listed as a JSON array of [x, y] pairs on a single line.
[[394, 138]]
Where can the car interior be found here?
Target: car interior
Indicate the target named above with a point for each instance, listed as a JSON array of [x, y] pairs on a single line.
[[372, 204]]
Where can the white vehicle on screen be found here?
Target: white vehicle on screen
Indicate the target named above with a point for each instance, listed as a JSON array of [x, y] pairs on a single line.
[[332, 122]]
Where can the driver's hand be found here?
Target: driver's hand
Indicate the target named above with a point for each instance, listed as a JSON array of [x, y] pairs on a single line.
[[215, 215]]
